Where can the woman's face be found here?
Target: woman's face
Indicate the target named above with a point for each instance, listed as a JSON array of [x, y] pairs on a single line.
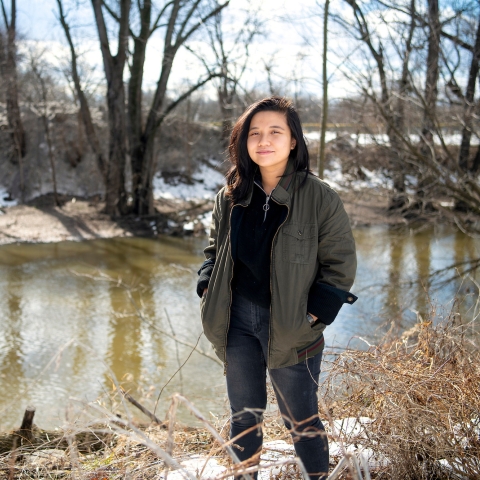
[[270, 141]]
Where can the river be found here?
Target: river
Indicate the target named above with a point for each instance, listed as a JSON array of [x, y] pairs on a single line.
[[78, 317]]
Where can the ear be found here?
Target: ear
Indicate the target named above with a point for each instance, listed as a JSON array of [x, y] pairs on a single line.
[[293, 144]]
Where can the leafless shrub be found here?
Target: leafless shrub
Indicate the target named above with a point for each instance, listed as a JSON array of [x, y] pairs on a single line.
[[421, 393]]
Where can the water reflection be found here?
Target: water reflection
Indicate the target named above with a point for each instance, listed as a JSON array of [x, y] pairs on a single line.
[[76, 316]]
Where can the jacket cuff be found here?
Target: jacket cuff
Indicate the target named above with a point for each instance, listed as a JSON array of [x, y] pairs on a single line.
[[325, 301], [205, 272]]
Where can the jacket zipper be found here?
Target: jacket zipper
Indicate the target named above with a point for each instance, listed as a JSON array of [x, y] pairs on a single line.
[[266, 207], [225, 363]]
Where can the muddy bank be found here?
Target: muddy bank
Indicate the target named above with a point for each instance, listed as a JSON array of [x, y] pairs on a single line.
[[80, 219]]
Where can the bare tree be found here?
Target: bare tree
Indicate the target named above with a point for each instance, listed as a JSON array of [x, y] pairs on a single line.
[[388, 101], [469, 108], [114, 66], [432, 73], [9, 72], [231, 49], [44, 115], [180, 20], [434, 166], [82, 99]]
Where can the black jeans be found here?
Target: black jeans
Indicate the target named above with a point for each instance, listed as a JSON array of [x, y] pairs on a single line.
[[295, 388]]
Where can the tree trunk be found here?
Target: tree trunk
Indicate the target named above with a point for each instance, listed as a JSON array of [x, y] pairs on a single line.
[[323, 131], [431, 80], [399, 198], [463, 158], [143, 161], [11, 90], [225, 101], [135, 127], [430, 102], [116, 198], [51, 158], [115, 194], [142, 139]]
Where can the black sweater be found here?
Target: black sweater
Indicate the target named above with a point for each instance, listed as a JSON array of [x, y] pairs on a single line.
[[252, 247]]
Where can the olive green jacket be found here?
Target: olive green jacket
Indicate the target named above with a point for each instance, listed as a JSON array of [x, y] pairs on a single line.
[[313, 266]]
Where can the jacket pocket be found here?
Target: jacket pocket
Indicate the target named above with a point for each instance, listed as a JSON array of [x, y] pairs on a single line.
[[299, 243]]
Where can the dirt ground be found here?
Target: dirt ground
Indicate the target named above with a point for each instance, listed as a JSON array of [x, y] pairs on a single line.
[[78, 219]]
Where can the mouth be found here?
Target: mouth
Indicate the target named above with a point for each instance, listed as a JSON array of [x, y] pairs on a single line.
[[264, 152]]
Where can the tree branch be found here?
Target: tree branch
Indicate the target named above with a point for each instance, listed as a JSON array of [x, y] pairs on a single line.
[[103, 36], [184, 96], [181, 39], [116, 17], [5, 17], [159, 16]]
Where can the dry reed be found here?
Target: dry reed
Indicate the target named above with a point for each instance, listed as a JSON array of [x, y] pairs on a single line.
[[421, 396], [415, 401]]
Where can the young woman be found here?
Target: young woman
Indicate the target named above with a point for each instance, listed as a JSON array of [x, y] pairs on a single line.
[[279, 266]]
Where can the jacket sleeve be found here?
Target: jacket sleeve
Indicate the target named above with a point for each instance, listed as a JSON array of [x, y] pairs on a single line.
[[337, 263], [210, 252]]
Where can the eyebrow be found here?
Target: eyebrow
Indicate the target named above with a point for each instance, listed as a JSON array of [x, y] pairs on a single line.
[[271, 126]]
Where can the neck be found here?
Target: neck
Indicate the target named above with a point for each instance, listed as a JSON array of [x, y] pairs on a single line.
[[270, 178]]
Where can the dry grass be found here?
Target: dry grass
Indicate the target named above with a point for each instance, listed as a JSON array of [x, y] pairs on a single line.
[[422, 393]]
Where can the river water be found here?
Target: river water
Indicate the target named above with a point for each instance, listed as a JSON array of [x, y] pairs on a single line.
[[78, 317]]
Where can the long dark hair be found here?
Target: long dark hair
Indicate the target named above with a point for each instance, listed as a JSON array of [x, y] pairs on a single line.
[[240, 175]]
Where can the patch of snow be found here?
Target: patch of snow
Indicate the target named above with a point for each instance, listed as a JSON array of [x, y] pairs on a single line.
[[338, 181], [315, 136], [455, 468], [3, 199], [351, 427], [382, 138], [209, 467], [372, 459], [206, 183], [275, 451]]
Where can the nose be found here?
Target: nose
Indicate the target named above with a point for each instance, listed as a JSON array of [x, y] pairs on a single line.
[[263, 140]]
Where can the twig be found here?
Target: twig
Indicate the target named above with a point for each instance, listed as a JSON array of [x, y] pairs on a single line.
[[178, 369], [144, 410]]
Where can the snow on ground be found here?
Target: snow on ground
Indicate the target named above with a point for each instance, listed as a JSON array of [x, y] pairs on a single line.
[[275, 451], [206, 183], [208, 180], [3, 199], [382, 138], [347, 432], [337, 180]]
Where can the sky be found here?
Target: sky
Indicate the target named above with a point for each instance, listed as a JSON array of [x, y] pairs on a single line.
[[292, 44], [283, 45]]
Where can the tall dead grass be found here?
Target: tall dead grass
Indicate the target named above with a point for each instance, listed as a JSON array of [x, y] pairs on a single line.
[[421, 396], [413, 402]]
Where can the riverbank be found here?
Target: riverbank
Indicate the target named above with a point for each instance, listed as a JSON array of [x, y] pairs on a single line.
[[83, 219]]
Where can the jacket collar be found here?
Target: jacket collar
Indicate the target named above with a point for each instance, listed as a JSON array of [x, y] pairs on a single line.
[[283, 191]]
